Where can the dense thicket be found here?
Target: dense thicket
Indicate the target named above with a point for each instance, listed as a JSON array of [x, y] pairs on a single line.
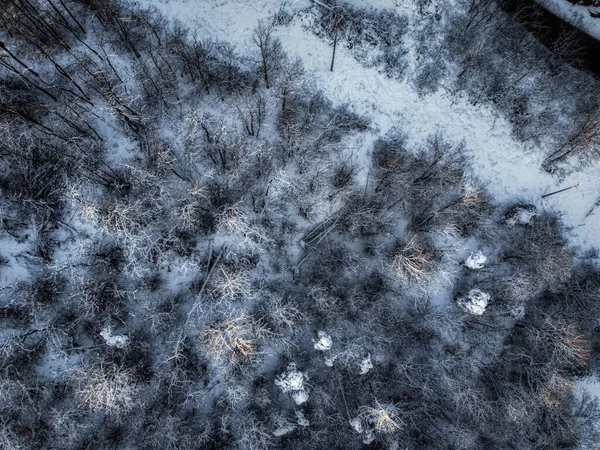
[[197, 255]]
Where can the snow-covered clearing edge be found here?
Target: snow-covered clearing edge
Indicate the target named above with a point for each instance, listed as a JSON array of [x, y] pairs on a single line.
[[577, 15]]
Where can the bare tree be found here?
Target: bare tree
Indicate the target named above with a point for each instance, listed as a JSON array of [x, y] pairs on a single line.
[[270, 50], [254, 114], [583, 142], [291, 80]]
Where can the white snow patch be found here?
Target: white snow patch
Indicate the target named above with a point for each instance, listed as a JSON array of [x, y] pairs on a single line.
[[477, 260], [475, 302], [591, 384], [366, 365], [521, 215], [300, 396], [324, 343], [357, 425], [114, 340], [292, 380], [329, 360], [302, 420], [282, 431]]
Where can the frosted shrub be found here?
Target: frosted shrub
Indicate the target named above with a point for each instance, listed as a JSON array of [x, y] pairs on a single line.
[[356, 425], [292, 381], [413, 262], [278, 315], [107, 389], [230, 340], [384, 418], [229, 285], [300, 396], [475, 302]]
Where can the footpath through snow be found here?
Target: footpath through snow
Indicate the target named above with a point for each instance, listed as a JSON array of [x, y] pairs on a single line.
[[507, 168]]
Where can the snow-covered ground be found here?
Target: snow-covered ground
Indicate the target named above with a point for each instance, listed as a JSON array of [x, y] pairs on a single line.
[[508, 168], [577, 15]]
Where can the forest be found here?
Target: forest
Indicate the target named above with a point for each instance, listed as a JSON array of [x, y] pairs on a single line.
[[202, 247]]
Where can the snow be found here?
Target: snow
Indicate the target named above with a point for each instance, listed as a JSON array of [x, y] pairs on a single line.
[[301, 419], [475, 302], [521, 215], [281, 431], [476, 260], [228, 20], [114, 340], [510, 169], [13, 261], [324, 343], [577, 15], [356, 424], [300, 396], [366, 365], [329, 360], [292, 380], [590, 384]]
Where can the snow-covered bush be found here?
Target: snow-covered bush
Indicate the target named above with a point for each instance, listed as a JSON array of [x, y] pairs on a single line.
[[107, 388], [521, 214], [292, 381], [323, 342], [230, 341], [383, 417], [114, 340], [476, 260], [414, 262], [301, 419], [474, 302]]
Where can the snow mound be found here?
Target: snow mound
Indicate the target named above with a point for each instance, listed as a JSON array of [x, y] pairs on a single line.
[[114, 340], [329, 360], [302, 420], [282, 431], [476, 261], [356, 424], [292, 380], [475, 302], [520, 215], [366, 365], [324, 342], [300, 396]]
